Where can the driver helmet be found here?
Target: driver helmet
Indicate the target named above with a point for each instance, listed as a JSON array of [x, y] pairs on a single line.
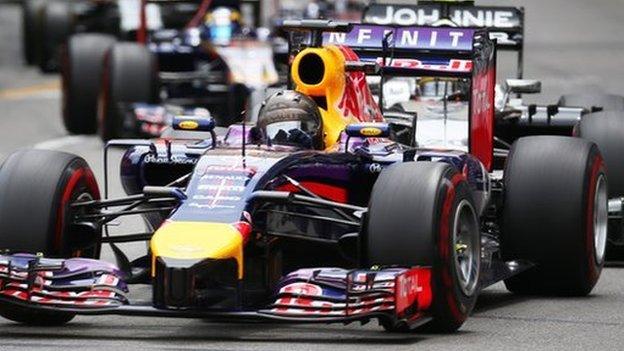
[[291, 118], [222, 24]]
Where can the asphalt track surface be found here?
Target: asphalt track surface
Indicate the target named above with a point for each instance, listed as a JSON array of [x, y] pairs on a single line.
[[572, 45]]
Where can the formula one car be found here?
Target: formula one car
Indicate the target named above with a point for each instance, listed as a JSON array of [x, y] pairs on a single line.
[[598, 118], [205, 65], [48, 24], [315, 214]]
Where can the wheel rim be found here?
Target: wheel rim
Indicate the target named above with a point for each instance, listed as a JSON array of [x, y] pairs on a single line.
[[82, 197], [601, 217], [466, 253]]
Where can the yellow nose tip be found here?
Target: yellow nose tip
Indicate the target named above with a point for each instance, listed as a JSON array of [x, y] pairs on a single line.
[[197, 240]]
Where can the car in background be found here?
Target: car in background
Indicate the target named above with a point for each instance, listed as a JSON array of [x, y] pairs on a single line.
[[129, 89], [47, 24]]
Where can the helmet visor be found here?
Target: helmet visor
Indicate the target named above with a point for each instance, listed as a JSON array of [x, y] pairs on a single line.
[[292, 133]]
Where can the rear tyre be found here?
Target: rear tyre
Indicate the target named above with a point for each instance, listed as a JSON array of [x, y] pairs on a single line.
[[592, 102], [31, 29], [555, 215], [81, 73], [606, 129], [40, 222], [422, 214], [56, 26], [130, 76]]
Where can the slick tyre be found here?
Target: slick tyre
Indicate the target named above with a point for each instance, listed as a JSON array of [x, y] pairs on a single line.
[[37, 188], [30, 316], [130, 76], [606, 129], [593, 102], [56, 26], [555, 215], [81, 72], [422, 214], [31, 29]]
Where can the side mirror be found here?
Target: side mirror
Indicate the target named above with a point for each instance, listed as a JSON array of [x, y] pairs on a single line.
[[368, 130], [193, 123], [523, 86], [196, 124]]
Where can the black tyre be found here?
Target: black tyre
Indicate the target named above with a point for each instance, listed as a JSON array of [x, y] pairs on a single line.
[[555, 215], [56, 26], [130, 76], [37, 188], [81, 72], [422, 214], [33, 317], [592, 102], [606, 129], [31, 29]]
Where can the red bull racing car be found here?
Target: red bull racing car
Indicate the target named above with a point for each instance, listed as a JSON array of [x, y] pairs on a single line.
[[325, 211]]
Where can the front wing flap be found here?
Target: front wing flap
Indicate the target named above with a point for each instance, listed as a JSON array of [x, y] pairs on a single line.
[[403, 293], [75, 282]]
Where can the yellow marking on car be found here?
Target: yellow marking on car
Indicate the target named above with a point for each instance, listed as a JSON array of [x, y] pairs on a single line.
[[189, 125], [197, 241], [26, 92], [370, 131]]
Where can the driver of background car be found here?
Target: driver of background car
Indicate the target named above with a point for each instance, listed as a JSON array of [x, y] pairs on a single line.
[[221, 25]]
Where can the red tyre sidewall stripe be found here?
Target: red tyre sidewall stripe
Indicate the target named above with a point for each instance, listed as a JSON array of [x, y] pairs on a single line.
[[444, 247], [80, 174], [596, 169]]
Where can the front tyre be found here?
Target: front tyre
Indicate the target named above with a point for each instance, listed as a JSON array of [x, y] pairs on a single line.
[[38, 187], [606, 129], [555, 215], [422, 214]]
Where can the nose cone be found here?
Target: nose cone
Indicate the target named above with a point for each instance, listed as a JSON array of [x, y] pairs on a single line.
[[197, 241]]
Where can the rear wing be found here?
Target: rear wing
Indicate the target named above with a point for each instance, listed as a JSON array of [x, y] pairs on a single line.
[[414, 51], [504, 24]]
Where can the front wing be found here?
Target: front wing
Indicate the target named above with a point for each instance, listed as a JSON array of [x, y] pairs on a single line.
[[320, 295]]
